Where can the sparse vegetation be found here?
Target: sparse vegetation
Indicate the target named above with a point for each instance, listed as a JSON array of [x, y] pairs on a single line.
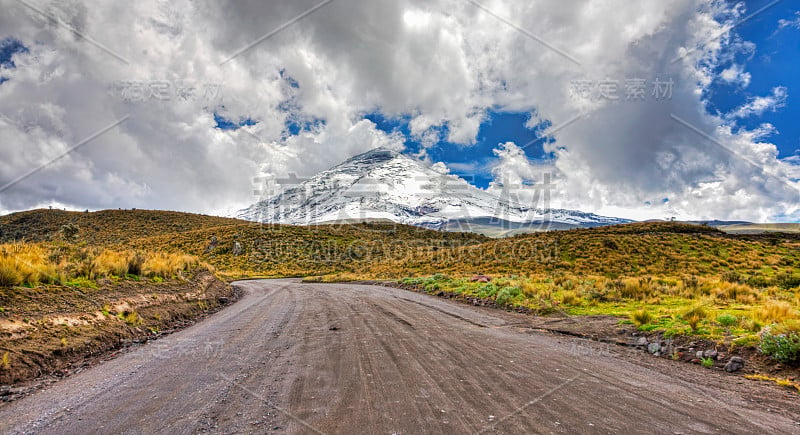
[[131, 318], [779, 381]]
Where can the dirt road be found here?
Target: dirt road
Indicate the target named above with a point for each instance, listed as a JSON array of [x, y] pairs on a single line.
[[316, 358]]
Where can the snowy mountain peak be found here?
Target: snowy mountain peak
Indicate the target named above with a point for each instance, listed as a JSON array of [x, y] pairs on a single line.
[[388, 185], [375, 156]]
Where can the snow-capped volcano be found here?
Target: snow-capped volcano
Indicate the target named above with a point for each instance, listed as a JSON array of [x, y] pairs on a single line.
[[387, 185]]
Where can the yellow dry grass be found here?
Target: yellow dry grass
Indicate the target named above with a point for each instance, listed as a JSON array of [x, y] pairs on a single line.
[[31, 264]]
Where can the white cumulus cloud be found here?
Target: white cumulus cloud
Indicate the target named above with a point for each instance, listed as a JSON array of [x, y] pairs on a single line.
[[167, 67]]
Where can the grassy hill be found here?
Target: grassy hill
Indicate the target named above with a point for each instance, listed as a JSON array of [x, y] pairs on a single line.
[[107, 227], [236, 248], [388, 250], [678, 278]]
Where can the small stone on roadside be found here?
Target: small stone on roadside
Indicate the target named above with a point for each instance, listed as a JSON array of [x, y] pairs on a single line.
[[734, 364]]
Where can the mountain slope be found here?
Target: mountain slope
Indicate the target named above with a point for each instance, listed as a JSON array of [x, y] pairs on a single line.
[[387, 185]]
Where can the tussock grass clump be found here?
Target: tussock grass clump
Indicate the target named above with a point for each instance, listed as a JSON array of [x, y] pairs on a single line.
[[24, 264], [9, 272], [641, 317], [571, 298], [776, 311], [166, 265], [694, 316], [111, 263]]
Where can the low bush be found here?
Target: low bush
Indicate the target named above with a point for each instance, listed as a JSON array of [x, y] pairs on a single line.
[[507, 295], [727, 320], [782, 343]]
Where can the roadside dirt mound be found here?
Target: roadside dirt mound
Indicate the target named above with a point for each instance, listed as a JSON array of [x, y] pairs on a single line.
[[50, 332]]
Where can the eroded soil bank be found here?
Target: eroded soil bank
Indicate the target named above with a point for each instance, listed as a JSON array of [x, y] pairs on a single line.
[[50, 332]]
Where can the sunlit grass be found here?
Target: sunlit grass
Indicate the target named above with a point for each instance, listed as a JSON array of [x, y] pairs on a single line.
[[704, 306], [27, 264]]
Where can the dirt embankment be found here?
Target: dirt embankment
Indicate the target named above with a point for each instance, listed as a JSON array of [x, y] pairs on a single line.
[[50, 332]]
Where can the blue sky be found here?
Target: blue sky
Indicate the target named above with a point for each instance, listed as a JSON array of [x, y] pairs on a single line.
[[8, 48], [775, 62]]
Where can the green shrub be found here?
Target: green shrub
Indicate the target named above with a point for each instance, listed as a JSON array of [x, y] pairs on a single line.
[[727, 320], [506, 295], [782, 343], [787, 280], [487, 290], [411, 281]]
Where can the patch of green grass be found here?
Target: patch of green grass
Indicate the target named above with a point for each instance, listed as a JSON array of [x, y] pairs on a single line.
[[508, 295], [727, 320], [81, 282]]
